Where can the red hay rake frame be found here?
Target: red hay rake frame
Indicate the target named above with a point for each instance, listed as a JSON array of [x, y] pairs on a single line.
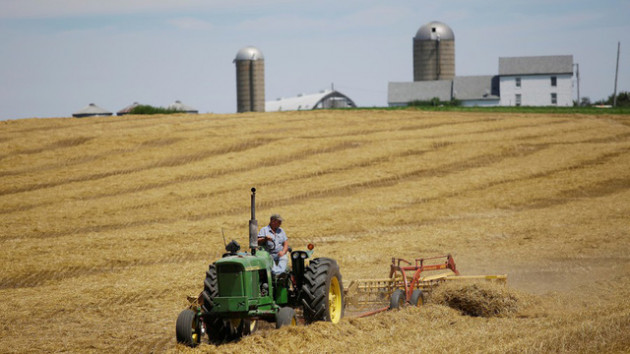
[[363, 294]]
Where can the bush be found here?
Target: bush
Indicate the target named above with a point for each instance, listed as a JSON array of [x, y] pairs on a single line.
[[435, 102], [147, 109]]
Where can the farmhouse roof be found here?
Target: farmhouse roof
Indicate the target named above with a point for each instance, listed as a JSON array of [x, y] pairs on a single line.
[[485, 87], [91, 110], [179, 106], [553, 64], [405, 92], [307, 102]]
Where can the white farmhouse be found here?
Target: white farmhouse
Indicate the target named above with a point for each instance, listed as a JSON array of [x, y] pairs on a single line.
[[536, 81]]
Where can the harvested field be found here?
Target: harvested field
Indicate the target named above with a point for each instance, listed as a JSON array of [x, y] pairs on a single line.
[[108, 223]]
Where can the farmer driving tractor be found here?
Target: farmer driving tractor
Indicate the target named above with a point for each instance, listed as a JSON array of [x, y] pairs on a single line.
[[275, 241]]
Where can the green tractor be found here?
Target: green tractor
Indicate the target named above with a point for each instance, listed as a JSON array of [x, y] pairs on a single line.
[[240, 290]]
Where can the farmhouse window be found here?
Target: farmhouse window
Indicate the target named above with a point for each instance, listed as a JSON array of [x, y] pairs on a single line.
[[518, 82], [554, 81], [518, 99], [554, 98]]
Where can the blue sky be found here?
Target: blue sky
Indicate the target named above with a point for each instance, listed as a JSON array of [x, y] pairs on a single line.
[[59, 55]]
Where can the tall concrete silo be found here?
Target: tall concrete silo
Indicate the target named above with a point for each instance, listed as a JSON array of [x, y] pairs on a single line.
[[434, 52], [250, 80]]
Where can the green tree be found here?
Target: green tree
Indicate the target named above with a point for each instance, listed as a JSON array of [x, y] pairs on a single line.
[[623, 99]]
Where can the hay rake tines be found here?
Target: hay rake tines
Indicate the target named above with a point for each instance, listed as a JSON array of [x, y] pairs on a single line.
[[365, 294]]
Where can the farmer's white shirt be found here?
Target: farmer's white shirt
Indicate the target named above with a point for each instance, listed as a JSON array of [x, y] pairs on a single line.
[[278, 239]]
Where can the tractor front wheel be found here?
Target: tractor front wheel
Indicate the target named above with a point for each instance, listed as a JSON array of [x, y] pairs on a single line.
[[248, 326], [322, 292], [188, 328]]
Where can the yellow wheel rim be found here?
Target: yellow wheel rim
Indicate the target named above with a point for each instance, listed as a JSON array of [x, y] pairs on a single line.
[[195, 336], [252, 326], [334, 300]]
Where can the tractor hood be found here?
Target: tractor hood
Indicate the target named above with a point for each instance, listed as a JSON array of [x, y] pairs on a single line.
[[262, 260]]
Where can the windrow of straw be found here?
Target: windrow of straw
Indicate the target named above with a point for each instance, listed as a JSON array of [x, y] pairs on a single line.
[[482, 299]]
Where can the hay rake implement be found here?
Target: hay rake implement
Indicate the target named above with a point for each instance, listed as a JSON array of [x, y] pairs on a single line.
[[408, 282]]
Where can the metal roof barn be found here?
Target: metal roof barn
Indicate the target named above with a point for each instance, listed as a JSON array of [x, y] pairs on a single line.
[[179, 106], [91, 110], [127, 109], [322, 100]]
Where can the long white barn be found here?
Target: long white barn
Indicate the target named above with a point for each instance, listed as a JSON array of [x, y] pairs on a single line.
[[322, 99]]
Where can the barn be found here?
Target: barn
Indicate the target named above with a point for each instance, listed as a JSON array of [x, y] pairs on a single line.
[[127, 109], [91, 110], [179, 106], [321, 100]]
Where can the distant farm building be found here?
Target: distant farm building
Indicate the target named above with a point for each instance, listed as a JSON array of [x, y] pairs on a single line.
[[127, 109], [91, 110], [179, 106], [470, 90], [522, 81], [322, 100]]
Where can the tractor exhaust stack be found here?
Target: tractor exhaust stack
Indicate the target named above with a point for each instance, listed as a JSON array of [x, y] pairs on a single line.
[[253, 226]]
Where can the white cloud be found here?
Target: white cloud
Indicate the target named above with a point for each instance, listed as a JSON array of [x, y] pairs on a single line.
[[376, 16], [67, 8], [373, 17], [190, 23]]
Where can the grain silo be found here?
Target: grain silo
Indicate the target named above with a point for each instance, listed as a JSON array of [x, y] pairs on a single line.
[[250, 80], [434, 52]]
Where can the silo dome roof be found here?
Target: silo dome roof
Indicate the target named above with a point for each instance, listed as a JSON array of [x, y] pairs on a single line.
[[249, 53], [433, 29]]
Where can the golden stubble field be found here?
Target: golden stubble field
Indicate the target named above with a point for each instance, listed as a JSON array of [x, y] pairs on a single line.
[[108, 223]]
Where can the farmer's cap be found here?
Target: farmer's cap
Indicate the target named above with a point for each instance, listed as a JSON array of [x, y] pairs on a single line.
[[276, 217]]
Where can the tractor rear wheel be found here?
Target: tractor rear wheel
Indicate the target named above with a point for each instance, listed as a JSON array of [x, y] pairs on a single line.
[[219, 330], [188, 328], [322, 292], [397, 300], [286, 317], [210, 288], [417, 298]]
